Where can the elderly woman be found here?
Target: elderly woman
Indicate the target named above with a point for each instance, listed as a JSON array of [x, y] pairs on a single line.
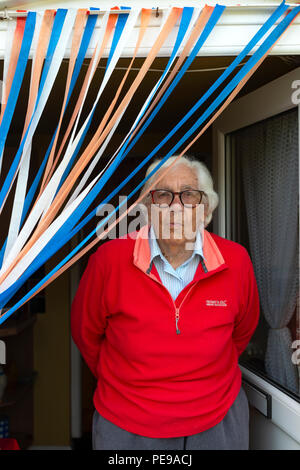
[[161, 316]]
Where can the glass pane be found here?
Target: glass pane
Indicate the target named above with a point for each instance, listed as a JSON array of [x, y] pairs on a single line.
[[262, 194]]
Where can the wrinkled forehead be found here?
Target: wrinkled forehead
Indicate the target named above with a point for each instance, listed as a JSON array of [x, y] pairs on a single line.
[[180, 176]]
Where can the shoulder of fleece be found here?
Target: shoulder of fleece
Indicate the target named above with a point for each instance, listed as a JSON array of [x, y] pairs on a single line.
[[114, 248], [231, 250]]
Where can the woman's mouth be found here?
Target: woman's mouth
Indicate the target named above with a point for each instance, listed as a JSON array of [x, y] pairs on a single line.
[[175, 224]]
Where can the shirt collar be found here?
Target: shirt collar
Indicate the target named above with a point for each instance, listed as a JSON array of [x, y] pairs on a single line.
[[156, 251]]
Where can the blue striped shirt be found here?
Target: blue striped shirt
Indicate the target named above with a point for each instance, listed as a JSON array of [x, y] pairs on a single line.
[[175, 279]]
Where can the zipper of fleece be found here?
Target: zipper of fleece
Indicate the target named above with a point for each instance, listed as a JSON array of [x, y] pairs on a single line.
[[173, 301]]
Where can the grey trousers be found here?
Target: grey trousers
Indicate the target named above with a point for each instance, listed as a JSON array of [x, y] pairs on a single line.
[[232, 433]]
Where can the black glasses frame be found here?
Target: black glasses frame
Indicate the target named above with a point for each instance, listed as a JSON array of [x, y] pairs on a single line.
[[202, 193]]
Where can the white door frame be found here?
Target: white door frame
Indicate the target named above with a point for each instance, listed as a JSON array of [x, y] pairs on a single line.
[[268, 100]]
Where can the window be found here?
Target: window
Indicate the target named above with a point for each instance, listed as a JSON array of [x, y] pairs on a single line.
[[262, 213]]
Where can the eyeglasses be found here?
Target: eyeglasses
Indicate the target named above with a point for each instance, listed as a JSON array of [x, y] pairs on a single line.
[[188, 197]]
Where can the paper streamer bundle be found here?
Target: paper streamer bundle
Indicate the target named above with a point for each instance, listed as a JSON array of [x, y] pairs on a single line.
[[49, 212]]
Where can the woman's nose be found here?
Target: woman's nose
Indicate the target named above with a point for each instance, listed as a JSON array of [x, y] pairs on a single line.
[[177, 202]]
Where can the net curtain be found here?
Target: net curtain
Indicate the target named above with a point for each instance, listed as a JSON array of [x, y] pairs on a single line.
[[47, 213], [269, 151]]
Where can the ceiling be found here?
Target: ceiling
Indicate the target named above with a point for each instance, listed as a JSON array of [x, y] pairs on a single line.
[[189, 90]]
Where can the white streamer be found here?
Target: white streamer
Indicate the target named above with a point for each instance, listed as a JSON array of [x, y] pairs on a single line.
[[21, 187], [43, 240], [7, 53]]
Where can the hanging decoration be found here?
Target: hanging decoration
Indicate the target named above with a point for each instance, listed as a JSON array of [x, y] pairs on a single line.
[[49, 212]]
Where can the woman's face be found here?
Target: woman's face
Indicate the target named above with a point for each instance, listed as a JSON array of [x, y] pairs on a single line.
[[177, 224]]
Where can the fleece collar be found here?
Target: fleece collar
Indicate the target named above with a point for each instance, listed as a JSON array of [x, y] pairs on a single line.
[[156, 251], [142, 253]]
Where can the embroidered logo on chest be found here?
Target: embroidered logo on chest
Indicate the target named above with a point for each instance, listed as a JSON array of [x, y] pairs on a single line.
[[216, 303]]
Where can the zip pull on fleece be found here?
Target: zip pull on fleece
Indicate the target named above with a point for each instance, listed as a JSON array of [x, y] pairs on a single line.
[[177, 318]]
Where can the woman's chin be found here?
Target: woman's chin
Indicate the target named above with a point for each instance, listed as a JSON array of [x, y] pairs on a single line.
[[175, 231]]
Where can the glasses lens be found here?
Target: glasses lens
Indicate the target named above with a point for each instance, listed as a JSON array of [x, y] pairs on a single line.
[[191, 197], [162, 198]]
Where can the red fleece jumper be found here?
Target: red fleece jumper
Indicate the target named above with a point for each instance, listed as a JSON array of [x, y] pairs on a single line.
[[150, 380]]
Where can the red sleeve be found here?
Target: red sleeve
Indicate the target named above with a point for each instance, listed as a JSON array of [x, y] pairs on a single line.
[[248, 317], [88, 313]]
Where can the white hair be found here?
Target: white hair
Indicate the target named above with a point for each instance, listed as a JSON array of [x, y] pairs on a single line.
[[205, 181]]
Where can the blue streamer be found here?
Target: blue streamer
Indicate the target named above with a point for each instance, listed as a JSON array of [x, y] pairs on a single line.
[[16, 85], [54, 38], [85, 41], [186, 17], [18, 77], [118, 31]]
